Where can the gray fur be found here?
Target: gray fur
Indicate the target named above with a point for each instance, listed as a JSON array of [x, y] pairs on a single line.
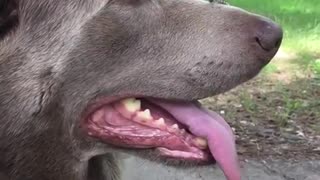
[[64, 54]]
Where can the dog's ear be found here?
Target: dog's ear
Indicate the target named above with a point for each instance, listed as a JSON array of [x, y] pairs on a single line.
[[8, 16]]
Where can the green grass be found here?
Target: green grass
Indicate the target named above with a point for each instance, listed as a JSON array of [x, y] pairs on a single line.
[[300, 20]]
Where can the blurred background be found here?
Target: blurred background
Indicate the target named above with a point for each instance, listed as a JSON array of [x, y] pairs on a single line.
[[282, 105]]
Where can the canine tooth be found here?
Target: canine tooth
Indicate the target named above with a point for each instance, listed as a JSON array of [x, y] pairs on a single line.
[[201, 142], [132, 104], [160, 122], [144, 115]]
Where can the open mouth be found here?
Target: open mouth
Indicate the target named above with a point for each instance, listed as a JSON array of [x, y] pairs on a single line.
[[180, 130]]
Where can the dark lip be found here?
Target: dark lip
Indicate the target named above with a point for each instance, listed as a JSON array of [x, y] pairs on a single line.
[[98, 103], [102, 100]]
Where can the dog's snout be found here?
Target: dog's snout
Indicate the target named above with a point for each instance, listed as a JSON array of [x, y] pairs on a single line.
[[268, 35]]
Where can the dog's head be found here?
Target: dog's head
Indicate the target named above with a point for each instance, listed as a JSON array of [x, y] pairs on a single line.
[[79, 78]]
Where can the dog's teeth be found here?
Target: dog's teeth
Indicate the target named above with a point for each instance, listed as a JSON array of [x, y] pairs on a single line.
[[144, 115], [201, 142], [160, 122], [175, 127], [131, 104]]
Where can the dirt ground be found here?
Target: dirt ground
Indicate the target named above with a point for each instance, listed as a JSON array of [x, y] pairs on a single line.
[[277, 114], [269, 121]]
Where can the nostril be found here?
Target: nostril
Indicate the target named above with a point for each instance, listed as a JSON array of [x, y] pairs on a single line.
[[269, 35], [259, 42], [265, 47]]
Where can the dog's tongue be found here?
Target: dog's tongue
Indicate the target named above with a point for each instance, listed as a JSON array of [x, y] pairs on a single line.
[[204, 123]]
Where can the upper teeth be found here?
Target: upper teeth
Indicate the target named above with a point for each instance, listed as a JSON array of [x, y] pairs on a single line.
[[175, 126], [132, 104], [144, 115], [160, 122]]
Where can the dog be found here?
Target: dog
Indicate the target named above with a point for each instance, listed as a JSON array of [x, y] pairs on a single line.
[[84, 80]]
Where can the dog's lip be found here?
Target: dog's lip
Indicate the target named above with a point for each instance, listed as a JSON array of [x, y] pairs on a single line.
[[200, 156], [186, 149], [210, 125]]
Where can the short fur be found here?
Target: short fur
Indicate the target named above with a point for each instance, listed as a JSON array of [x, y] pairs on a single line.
[[58, 56]]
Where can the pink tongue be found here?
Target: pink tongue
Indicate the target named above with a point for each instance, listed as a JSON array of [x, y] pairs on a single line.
[[214, 128]]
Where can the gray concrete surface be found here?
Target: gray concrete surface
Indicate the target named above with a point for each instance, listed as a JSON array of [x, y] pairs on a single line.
[[138, 169]]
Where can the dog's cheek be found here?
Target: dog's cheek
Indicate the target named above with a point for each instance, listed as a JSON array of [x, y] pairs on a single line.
[[132, 2]]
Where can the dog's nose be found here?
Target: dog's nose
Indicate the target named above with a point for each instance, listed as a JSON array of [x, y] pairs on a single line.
[[269, 35]]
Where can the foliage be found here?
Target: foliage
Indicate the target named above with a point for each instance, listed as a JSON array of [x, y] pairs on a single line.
[[300, 20]]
